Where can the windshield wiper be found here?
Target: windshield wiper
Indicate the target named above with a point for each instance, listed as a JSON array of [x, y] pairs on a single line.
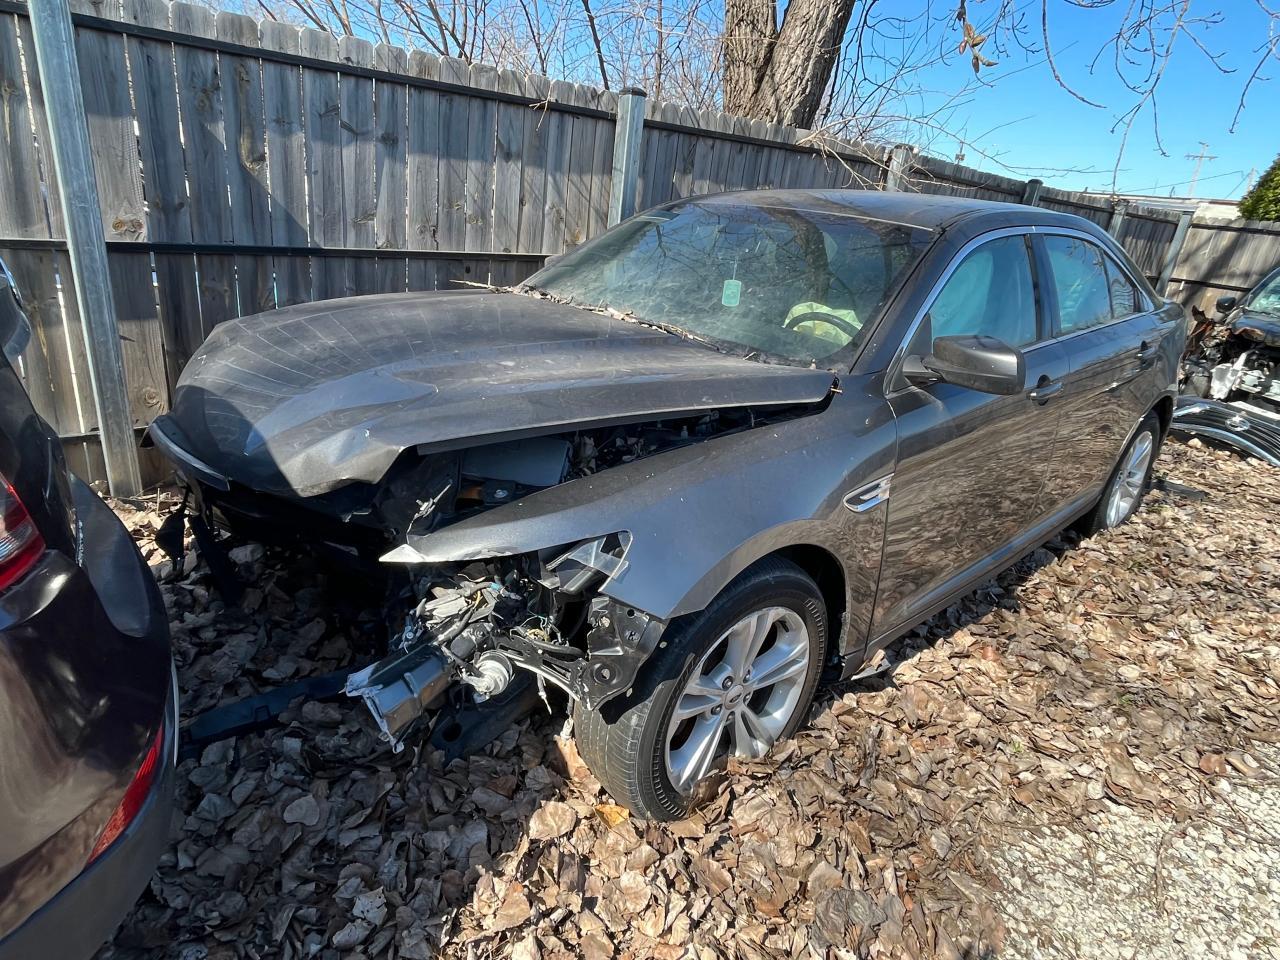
[[607, 311]]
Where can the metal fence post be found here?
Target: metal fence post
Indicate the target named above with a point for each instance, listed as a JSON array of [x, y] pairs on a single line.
[[1031, 192], [628, 131], [78, 187], [1175, 248], [1118, 210], [899, 164]]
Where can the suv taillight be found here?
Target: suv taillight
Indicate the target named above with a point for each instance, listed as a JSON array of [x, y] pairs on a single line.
[[135, 795], [20, 541]]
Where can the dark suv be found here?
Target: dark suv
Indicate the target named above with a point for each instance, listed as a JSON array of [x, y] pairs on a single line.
[[88, 702]]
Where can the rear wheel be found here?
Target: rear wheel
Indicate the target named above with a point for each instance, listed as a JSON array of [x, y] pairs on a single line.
[[1128, 484], [733, 679]]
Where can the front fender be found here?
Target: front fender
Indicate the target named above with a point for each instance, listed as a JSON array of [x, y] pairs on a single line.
[[700, 514]]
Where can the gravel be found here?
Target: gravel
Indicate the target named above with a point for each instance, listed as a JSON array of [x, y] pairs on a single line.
[[1121, 884]]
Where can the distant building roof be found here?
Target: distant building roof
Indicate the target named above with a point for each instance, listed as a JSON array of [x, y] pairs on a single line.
[[1205, 208]]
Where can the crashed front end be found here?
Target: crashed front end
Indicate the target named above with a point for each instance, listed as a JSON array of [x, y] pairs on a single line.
[[474, 616], [393, 431], [480, 623], [1231, 384]]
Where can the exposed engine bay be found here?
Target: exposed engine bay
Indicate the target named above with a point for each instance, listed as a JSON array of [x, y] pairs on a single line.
[[424, 492], [475, 628], [1231, 383], [478, 624], [1235, 361]]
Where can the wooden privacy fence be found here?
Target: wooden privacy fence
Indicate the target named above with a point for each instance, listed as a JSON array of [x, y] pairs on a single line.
[[1224, 257], [246, 165]]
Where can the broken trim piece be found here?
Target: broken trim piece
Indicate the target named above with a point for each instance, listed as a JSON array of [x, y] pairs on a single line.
[[399, 689], [1240, 425], [589, 561]]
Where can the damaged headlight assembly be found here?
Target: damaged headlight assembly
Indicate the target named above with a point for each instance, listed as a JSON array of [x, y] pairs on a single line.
[[478, 623]]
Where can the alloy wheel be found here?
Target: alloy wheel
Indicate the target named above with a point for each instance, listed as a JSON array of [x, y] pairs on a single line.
[[1127, 490], [740, 696]]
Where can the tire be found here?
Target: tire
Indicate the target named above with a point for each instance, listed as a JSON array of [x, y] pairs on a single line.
[[1124, 492], [626, 742]]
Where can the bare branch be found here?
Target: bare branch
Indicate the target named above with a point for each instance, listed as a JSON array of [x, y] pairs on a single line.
[[595, 38], [1048, 50]]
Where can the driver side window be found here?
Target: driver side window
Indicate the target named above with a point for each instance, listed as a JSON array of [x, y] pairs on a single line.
[[990, 293]]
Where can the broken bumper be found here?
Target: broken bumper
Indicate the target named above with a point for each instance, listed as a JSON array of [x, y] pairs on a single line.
[[166, 438], [1245, 428]]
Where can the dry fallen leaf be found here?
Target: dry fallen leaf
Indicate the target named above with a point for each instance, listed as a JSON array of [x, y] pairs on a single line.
[[611, 813], [551, 820]]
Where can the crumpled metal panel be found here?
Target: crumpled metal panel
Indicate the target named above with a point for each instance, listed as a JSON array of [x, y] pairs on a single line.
[[1251, 431], [309, 398]]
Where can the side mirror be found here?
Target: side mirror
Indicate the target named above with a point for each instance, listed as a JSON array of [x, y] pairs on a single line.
[[1227, 303], [985, 364]]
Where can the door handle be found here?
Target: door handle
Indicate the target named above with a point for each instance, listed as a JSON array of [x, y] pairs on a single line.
[[1147, 354], [1045, 391]]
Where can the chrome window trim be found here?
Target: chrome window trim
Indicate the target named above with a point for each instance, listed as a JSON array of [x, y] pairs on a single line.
[[895, 363], [1148, 306]]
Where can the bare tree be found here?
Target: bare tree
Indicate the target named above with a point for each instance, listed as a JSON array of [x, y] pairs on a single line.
[[857, 69], [1141, 47]]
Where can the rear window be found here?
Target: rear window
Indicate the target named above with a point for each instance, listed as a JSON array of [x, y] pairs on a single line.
[[1079, 277]]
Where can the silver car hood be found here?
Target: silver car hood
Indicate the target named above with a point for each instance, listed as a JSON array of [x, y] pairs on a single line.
[[310, 398]]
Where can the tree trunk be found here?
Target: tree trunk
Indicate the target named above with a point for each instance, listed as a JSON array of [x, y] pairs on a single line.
[[781, 74]]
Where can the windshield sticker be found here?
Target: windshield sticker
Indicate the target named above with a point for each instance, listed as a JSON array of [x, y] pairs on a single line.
[[731, 296]]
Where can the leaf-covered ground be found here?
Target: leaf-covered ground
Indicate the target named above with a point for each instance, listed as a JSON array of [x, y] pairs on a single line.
[[1117, 696]]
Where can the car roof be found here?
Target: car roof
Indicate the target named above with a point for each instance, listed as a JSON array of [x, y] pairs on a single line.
[[926, 211]]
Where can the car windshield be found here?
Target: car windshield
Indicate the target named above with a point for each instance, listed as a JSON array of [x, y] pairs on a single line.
[[1266, 296], [794, 282]]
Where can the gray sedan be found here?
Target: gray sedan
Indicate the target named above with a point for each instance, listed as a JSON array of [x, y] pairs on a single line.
[[733, 446]]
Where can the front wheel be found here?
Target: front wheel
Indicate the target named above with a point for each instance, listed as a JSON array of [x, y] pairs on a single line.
[[731, 680], [1128, 484]]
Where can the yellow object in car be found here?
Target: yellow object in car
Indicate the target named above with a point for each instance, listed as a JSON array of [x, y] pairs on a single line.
[[815, 327]]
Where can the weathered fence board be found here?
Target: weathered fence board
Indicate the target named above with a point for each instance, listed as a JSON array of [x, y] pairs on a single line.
[[1224, 257], [140, 332], [22, 208], [481, 157], [105, 81], [452, 144], [391, 157], [47, 366]]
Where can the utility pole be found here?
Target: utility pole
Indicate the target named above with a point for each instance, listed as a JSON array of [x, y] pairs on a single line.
[[1199, 158]]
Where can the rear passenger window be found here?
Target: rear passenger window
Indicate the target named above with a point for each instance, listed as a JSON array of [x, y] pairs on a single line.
[[1124, 298], [990, 294], [1080, 279]]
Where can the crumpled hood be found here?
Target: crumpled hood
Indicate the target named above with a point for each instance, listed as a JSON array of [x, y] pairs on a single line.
[[306, 399], [1261, 327]]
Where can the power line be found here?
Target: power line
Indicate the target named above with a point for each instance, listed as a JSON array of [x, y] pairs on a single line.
[[1181, 183]]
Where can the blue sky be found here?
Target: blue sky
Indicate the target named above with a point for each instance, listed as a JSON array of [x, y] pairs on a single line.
[[1022, 118]]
